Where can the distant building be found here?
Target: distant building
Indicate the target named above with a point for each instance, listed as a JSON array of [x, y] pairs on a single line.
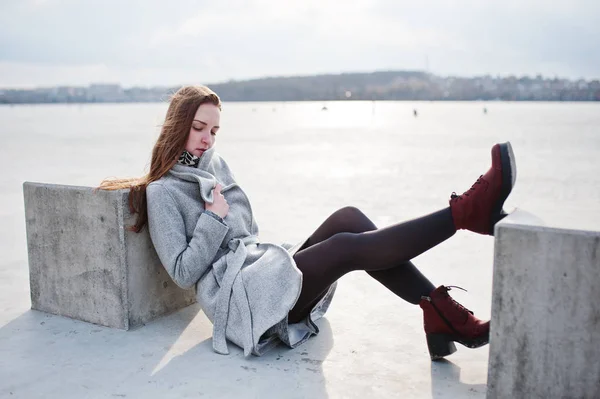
[[106, 92], [386, 85]]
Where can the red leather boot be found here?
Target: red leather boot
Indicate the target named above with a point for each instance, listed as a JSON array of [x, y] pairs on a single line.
[[480, 208], [446, 321]]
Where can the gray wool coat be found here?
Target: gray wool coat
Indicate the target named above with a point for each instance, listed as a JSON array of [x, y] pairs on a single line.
[[245, 287]]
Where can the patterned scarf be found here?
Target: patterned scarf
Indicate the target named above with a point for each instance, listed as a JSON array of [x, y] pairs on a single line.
[[188, 159]]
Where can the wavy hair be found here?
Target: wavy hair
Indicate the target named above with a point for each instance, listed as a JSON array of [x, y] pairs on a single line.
[[167, 150]]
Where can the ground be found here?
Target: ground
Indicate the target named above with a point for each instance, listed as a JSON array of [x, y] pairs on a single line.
[[371, 344]]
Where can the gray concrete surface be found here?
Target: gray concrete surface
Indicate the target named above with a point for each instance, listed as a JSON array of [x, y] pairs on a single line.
[[371, 345], [85, 264], [545, 329]]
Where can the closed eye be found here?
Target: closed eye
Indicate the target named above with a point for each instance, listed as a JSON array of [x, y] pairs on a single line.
[[199, 129]]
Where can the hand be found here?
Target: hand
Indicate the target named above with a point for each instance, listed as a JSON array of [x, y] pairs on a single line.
[[219, 205]]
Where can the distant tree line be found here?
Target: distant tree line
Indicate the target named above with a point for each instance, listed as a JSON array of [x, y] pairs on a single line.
[[386, 85]]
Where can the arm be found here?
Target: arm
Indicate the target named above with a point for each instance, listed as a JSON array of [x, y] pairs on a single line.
[[185, 262]]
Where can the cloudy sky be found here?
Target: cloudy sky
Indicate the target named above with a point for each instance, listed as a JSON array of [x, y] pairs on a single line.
[[151, 42]]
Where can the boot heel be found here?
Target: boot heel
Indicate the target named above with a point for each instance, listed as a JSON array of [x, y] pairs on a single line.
[[439, 346]]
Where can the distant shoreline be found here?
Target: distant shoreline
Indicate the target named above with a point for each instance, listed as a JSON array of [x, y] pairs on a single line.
[[376, 86], [6, 105]]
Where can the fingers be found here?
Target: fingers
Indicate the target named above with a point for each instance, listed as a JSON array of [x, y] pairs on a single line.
[[217, 193]]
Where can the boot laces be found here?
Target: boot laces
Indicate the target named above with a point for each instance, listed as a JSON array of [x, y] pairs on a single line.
[[454, 303], [454, 196]]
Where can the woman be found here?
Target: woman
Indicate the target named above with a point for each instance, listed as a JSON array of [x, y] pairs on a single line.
[[259, 294]]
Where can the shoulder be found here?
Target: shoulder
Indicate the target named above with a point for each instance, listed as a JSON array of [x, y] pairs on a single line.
[[156, 186], [158, 189], [166, 182]]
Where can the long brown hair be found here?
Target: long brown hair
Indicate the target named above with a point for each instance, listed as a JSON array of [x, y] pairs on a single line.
[[168, 148]]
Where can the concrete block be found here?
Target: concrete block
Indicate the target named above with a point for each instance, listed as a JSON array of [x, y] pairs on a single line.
[[85, 264], [545, 327]]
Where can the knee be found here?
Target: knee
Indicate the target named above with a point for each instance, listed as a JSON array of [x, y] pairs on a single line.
[[349, 213], [354, 220]]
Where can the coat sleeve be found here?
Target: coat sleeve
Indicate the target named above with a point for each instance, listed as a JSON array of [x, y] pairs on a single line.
[[185, 262]]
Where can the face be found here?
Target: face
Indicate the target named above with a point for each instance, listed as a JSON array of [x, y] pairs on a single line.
[[204, 129]]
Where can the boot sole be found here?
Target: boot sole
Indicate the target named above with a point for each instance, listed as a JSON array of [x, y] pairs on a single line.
[[509, 178], [442, 345]]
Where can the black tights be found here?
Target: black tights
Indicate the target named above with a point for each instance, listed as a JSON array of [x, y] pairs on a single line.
[[349, 241]]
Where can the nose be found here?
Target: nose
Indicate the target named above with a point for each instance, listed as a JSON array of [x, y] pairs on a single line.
[[206, 138]]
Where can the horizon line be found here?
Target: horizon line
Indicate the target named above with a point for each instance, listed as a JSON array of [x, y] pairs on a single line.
[[250, 79]]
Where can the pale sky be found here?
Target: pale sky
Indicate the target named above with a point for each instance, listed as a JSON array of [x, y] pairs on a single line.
[[151, 42]]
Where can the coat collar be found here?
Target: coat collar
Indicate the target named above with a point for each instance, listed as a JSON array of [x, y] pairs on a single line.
[[206, 159], [203, 174]]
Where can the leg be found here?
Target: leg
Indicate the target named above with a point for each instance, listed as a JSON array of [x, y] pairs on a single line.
[[404, 279], [446, 321], [324, 262], [478, 209]]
